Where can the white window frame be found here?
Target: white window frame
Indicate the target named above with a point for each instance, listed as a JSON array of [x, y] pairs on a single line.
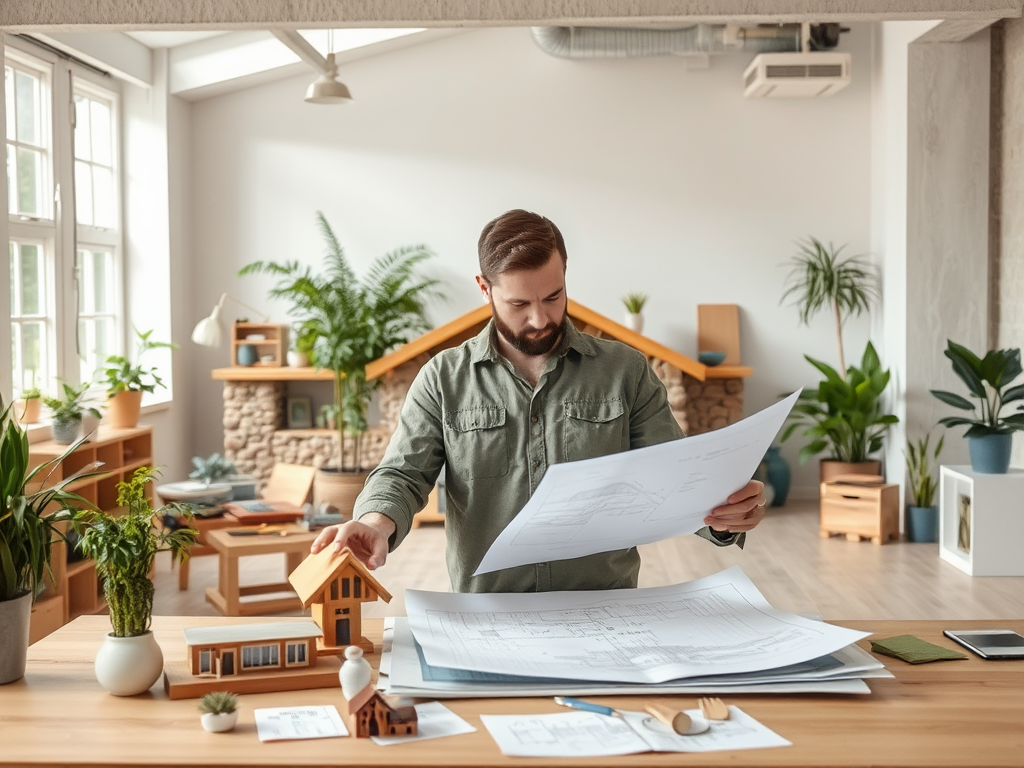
[[59, 231], [297, 649]]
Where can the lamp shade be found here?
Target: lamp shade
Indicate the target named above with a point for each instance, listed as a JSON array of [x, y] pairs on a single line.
[[208, 332], [327, 89]]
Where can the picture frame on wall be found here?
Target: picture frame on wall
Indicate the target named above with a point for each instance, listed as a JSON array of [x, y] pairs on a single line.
[[300, 413]]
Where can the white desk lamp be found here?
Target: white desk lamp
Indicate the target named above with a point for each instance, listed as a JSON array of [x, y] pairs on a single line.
[[208, 331]]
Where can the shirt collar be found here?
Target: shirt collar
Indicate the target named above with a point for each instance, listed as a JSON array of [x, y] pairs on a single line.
[[483, 346]]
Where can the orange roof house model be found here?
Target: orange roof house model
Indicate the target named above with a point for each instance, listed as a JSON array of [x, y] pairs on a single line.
[[335, 584]]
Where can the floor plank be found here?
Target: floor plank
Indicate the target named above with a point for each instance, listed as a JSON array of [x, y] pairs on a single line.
[[794, 569]]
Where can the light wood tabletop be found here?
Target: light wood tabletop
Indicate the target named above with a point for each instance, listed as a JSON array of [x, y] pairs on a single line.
[[950, 713]]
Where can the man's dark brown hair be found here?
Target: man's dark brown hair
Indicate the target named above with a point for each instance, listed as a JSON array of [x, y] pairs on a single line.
[[518, 240]]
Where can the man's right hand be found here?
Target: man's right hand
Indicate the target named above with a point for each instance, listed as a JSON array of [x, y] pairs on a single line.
[[367, 537]]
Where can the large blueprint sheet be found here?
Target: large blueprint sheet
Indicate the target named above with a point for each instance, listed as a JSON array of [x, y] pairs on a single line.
[[720, 624], [635, 497]]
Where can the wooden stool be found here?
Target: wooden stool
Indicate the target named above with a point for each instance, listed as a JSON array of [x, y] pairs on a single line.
[[862, 507]]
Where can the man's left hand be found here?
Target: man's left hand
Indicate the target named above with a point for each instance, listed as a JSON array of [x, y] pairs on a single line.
[[744, 510]]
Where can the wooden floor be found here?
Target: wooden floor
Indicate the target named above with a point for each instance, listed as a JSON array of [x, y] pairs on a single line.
[[794, 569]]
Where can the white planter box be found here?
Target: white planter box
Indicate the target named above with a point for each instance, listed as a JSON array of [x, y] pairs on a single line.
[[981, 521]]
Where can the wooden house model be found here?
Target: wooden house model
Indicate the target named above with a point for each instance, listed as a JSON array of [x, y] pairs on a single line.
[[241, 649], [334, 585], [370, 714]]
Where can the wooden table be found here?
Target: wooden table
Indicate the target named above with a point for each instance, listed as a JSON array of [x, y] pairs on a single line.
[[950, 713], [226, 597]]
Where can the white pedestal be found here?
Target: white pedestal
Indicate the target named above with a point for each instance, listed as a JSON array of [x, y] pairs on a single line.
[[981, 521]]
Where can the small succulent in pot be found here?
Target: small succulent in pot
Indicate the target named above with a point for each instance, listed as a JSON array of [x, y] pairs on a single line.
[[212, 468], [219, 711]]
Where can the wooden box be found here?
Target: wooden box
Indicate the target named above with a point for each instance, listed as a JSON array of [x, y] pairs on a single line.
[[862, 507]]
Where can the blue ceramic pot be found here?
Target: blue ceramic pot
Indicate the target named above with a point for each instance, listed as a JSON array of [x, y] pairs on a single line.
[[922, 523], [990, 454], [779, 474], [246, 354]]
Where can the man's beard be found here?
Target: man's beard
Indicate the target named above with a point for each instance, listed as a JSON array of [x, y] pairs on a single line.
[[532, 342]]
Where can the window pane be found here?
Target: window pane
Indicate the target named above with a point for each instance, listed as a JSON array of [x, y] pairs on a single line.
[[83, 140], [12, 177], [9, 90], [101, 149], [31, 286], [96, 337], [83, 193], [32, 354], [103, 197], [14, 279], [30, 169], [27, 96], [102, 282]]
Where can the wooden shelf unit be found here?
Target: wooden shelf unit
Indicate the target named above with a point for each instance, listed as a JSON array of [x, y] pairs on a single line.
[[273, 343], [74, 590]]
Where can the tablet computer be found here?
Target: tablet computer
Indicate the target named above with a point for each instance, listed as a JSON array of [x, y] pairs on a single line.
[[989, 643]]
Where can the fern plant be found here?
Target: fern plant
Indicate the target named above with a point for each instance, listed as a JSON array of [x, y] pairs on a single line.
[[348, 323], [923, 483], [124, 543]]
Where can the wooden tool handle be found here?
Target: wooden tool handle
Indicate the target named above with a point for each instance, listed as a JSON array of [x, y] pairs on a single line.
[[675, 719]]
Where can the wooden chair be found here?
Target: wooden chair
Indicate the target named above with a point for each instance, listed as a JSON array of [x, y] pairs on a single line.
[[288, 483]]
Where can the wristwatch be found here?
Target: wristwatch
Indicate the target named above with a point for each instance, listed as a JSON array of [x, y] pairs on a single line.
[[722, 535]]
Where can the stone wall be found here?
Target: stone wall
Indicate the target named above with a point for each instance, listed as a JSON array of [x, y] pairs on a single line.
[[255, 437]]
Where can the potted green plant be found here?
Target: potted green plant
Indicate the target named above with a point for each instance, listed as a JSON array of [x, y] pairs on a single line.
[[31, 517], [124, 543], [125, 381], [989, 433], [922, 516], [634, 303], [29, 405], [348, 323], [212, 468], [299, 348], [220, 711], [844, 414], [66, 410]]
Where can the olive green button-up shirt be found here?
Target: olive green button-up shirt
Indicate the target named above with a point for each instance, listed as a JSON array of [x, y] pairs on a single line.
[[495, 434]]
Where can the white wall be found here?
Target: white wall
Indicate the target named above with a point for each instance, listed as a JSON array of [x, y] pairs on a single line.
[[662, 180]]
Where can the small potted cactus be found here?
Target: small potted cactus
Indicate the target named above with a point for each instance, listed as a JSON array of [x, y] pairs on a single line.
[[220, 711]]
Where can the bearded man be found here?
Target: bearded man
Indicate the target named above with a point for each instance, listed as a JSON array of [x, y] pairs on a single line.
[[528, 391]]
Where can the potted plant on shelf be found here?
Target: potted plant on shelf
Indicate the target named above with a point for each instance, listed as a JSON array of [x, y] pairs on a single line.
[[220, 711], [28, 406], [30, 518], [67, 410], [844, 416], [634, 303], [123, 543], [348, 323], [988, 379], [126, 381], [922, 518], [298, 349]]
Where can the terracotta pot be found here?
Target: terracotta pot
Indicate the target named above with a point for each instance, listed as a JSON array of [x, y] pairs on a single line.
[[123, 409], [828, 468], [27, 411], [338, 489]]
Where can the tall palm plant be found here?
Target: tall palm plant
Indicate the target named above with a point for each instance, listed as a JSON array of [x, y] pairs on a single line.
[[821, 279], [348, 323]]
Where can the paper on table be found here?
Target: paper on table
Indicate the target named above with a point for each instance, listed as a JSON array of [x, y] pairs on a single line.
[[584, 734], [635, 497], [720, 624], [286, 723], [433, 720]]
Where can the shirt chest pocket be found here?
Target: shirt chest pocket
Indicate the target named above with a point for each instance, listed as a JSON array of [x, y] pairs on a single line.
[[476, 442], [594, 428]]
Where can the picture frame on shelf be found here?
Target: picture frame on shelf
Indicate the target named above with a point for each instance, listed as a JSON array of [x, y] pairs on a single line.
[[300, 413]]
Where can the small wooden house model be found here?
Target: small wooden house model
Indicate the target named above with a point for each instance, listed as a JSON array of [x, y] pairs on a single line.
[[239, 649], [335, 584], [370, 714]]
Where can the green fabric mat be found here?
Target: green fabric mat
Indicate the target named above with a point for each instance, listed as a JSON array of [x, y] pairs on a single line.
[[913, 649]]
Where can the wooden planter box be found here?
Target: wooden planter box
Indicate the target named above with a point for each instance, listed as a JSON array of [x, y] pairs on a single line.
[[862, 507]]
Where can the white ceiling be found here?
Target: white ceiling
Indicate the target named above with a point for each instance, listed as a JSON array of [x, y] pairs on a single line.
[[170, 39]]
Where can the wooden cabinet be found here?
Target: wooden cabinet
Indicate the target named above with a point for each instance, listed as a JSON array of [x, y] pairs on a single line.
[[259, 345], [74, 589], [861, 509]]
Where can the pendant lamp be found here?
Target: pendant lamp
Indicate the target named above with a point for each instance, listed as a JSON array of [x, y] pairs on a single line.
[[327, 89]]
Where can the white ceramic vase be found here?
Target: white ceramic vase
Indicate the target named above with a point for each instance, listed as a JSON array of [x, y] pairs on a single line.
[[126, 666], [634, 321], [297, 359], [354, 674], [219, 722]]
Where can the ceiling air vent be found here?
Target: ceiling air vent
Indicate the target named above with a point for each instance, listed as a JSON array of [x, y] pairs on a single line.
[[796, 75]]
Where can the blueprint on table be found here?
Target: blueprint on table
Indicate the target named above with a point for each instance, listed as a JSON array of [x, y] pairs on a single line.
[[635, 497], [719, 624]]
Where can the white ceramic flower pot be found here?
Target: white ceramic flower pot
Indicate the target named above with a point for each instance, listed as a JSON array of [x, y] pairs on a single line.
[[634, 321], [219, 722], [126, 666], [297, 359]]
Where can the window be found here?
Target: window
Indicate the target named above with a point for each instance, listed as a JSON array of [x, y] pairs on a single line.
[[296, 654], [65, 270], [254, 656], [205, 661]]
